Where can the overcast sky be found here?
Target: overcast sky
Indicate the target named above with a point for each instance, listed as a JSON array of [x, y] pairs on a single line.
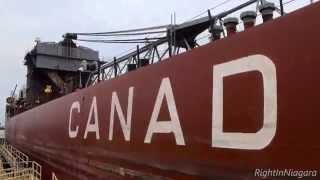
[[22, 21]]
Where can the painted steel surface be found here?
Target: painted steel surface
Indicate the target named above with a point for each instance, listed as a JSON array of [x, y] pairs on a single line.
[[184, 88]]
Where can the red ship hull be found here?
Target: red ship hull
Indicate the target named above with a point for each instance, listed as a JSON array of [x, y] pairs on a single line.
[[58, 135]]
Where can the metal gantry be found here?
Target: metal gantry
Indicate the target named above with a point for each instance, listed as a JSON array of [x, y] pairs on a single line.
[[172, 39], [178, 39]]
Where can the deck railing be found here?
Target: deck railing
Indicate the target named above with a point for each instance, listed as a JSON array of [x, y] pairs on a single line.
[[16, 165]]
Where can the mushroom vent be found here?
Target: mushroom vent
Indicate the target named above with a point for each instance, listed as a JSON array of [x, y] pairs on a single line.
[[216, 32], [266, 9], [248, 18], [231, 25]]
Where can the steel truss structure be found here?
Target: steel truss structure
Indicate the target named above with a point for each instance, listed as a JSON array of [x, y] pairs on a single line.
[[178, 39]]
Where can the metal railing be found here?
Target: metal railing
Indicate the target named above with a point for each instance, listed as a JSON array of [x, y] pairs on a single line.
[[14, 164]]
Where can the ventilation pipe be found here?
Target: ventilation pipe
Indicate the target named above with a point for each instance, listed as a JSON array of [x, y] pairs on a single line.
[[266, 9], [248, 18], [215, 32], [231, 25]]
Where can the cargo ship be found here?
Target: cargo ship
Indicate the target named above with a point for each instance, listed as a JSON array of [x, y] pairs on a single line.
[[244, 101]]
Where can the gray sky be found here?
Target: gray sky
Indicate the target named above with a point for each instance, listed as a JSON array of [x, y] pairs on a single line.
[[22, 21]]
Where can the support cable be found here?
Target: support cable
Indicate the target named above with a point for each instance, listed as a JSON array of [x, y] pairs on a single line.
[[126, 34], [204, 12], [113, 41], [126, 31]]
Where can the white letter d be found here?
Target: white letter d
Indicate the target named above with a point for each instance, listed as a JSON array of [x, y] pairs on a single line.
[[252, 141]]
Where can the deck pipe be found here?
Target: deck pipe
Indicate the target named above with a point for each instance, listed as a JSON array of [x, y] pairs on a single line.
[[231, 25], [248, 18], [215, 32], [267, 9]]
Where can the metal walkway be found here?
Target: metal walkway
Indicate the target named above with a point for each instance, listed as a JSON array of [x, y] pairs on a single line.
[[16, 165]]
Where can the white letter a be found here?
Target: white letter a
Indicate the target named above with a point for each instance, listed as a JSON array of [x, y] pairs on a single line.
[[165, 126], [95, 126]]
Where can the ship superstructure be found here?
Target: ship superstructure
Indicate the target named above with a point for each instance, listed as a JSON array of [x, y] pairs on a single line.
[[53, 70]]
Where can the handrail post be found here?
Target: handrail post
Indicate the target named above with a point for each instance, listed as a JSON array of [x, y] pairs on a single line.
[[115, 67], [281, 7]]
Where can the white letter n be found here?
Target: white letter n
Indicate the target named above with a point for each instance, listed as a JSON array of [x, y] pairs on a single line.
[[125, 125], [253, 141]]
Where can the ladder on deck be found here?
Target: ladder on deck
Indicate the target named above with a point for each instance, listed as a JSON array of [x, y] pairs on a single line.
[[15, 165]]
